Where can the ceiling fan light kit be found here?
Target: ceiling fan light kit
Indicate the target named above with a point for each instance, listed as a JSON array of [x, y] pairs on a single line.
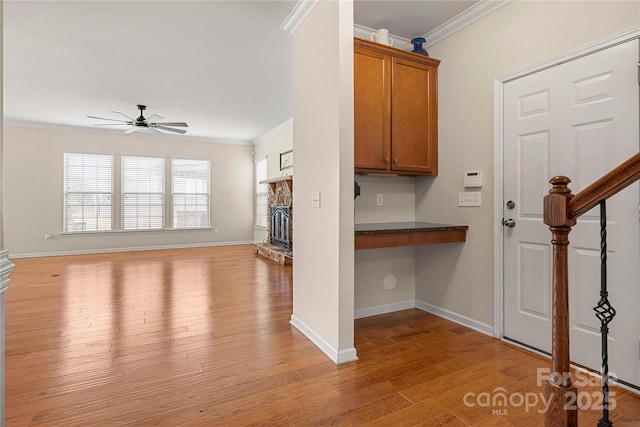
[[142, 124]]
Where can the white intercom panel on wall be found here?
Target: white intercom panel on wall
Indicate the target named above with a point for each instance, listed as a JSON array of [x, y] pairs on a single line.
[[473, 179]]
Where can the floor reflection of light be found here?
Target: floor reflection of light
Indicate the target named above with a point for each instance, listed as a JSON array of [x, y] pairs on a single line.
[[190, 314], [86, 316], [136, 311], [273, 289]]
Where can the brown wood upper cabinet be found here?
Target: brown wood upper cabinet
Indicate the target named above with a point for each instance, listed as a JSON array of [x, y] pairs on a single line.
[[395, 109]]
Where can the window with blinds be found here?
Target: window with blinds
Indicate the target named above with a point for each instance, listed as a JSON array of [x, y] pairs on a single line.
[[88, 192], [190, 193], [262, 194], [142, 193]]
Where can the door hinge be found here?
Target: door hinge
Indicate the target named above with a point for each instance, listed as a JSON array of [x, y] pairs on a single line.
[[638, 72]]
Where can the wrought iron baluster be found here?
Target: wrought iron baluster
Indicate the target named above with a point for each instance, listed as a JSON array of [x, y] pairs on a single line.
[[605, 313]]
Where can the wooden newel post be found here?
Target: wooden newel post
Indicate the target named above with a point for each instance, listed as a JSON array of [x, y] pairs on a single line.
[[562, 410]]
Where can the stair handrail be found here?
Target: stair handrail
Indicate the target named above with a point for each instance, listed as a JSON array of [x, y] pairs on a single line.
[[561, 210], [609, 184]]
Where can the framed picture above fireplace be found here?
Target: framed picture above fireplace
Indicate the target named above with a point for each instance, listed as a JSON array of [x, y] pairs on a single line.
[[286, 160]]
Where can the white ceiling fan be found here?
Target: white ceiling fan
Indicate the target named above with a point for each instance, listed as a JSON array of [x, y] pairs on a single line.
[[143, 124]]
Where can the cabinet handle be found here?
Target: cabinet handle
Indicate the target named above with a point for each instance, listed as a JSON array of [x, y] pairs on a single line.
[[395, 161], [386, 161]]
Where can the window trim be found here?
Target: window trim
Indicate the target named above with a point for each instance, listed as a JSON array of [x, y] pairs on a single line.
[[117, 194], [259, 193], [162, 194], [65, 192], [172, 193]]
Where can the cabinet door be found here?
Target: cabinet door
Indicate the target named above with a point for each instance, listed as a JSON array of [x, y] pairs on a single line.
[[372, 84], [414, 117]]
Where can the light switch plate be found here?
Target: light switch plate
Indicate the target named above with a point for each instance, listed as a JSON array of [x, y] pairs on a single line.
[[469, 198], [315, 199]]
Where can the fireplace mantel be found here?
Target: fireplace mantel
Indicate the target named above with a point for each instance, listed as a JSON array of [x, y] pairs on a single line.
[[285, 185], [274, 180]]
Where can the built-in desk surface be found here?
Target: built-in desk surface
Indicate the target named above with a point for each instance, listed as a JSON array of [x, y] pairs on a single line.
[[392, 234]]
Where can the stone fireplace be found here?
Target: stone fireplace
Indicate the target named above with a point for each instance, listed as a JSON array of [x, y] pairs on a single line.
[[279, 244]]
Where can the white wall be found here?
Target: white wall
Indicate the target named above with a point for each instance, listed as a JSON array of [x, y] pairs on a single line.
[[323, 148], [33, 192], [377, 269], [398, 199], [270, 146], [460, 277], [5, 269]]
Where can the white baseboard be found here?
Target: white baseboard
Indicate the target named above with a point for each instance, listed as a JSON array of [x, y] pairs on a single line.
[[342, 356], [129, 249], [429, 308], [385, 308], [455, 317], [347, 355]]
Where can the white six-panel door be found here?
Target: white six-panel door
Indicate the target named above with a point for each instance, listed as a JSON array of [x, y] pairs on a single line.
[[578, 119]]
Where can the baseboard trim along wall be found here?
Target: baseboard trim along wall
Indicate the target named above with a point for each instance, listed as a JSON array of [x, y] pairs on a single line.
[[338, 357], [384, 309], [130, 249], [455, 317], [429, 308]]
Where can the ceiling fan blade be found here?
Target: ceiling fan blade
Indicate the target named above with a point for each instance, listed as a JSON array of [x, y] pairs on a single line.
[[130, 130], [104, 118], [112, 124], [122, 114], [155, 125], [154, 117], [179, 124]]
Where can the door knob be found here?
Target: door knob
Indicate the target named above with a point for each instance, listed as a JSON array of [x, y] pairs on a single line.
[[509, 222], [511, 204]]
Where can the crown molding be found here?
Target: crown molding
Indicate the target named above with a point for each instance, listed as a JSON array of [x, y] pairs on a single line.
[[475, 12], [299, 13], [275, 130]]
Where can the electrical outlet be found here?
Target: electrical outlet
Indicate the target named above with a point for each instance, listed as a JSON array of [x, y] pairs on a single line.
[[47, 237], [469, 198], [379, 200], [215, 230]]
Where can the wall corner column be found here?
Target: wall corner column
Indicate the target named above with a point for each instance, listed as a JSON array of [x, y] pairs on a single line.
[[6, 267]]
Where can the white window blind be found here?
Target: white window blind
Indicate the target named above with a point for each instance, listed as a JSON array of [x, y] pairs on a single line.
[[142, 193], [88, 192], [262, 194], [190, 186]]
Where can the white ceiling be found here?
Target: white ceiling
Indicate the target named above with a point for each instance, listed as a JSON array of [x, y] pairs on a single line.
[[408, 19], [224, 67]]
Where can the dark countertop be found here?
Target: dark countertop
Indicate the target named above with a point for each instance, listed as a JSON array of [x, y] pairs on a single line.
[[404, 227]]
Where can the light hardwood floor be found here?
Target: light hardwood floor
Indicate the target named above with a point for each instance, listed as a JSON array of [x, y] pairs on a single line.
[[201, 337]]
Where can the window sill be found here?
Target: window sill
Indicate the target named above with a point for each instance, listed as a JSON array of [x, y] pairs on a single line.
[[110, 232]]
